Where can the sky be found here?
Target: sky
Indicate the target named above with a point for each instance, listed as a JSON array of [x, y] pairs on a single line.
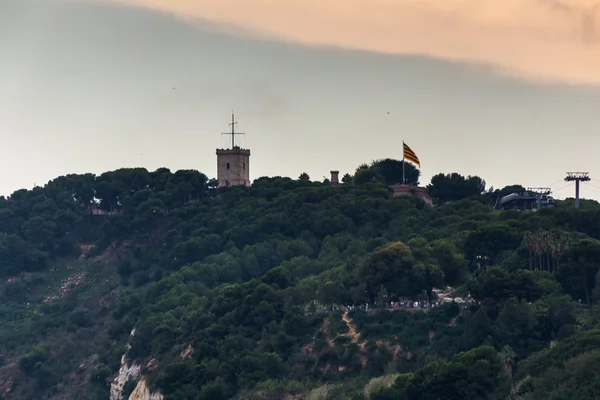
[[506, 90]]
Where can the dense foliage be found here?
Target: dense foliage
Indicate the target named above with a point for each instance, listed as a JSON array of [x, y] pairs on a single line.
[[293, 287]]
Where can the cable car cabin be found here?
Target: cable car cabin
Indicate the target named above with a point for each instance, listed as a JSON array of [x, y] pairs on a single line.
[[524, 201]]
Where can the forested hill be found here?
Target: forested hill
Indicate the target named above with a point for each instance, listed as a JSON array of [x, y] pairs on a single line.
[[149, 285]]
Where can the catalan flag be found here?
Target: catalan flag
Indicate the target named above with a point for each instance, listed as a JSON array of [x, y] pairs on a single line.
[[410, 155]]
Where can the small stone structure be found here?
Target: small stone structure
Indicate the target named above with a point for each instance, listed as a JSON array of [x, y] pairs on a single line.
[[416, 191], [233, 167], [95, 209], [335, 180]]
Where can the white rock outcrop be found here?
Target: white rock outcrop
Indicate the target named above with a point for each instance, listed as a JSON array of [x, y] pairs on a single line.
[[133, 372], [126, 372], [142, 392]]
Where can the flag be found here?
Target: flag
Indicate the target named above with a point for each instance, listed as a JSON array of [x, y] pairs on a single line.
[[410, 155]]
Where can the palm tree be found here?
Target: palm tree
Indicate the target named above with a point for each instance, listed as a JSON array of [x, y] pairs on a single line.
[[528, 244], [537, 249], [547, 239], [560, 246], [508, 356]]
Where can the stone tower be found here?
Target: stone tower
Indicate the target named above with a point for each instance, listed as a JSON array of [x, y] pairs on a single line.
[[335, 180], [233, 165]]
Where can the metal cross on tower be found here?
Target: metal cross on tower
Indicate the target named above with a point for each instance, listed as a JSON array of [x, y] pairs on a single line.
[[577, 177], [233, 132]]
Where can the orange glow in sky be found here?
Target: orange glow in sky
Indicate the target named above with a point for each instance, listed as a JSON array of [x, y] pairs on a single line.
[[556, 40]]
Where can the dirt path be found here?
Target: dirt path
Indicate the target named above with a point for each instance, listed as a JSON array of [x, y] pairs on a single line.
[[352, 333]]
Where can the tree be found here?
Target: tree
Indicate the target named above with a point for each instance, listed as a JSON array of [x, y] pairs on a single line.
[[387, 171], [394, 268], [425, 277], [278, 276], [367, 175], [39, 231], [388, 267], [518, 326], [304, 177], [235, 277], [475, 374], [490, 241], [497, 284], [453, 187], [148, 214], [451, 261], [332, 293], [347, 179], [391, 172], [114, 232], [508, 356], [578, 274]]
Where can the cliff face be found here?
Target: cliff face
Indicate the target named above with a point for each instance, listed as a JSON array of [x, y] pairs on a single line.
[[126, 372], [142, 392], [132, 372]]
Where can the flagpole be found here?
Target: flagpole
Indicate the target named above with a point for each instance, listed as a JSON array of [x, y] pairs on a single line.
[[403, 162]]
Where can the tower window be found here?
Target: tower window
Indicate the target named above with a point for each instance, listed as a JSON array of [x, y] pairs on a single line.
[[227, 165], [244, 165]]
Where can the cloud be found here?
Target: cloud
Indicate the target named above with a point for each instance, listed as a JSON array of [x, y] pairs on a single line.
[[542, 40], [587, 13]]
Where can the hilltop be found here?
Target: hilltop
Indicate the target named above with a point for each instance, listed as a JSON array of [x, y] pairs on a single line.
[[161, 285]]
